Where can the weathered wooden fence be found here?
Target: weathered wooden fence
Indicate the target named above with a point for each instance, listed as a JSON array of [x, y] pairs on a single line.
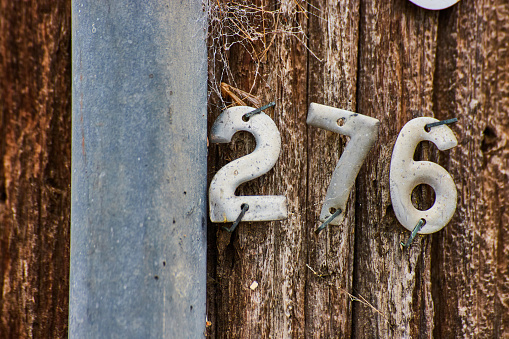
[[393, 61], [387, 59]]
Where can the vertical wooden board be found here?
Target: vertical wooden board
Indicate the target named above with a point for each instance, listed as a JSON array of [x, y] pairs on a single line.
[[229, 307], [270, 253], [35, 104], [397, 60], [471, 255], [332, 78], [290, 63]]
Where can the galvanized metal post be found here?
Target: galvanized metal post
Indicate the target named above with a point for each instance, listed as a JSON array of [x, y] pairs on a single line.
[[138, 233]]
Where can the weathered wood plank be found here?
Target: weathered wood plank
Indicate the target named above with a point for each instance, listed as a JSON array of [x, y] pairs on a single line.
[[471, 255], [332, 80], [35, 106], [397, 61], [270, 253]]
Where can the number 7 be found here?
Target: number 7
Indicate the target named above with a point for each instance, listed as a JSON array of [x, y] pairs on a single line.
[[363, 132]]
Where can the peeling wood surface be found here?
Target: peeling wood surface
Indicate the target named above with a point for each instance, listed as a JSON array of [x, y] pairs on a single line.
[[35, 107], [332, 75], [471, 261], [394, 61], [397, 60]]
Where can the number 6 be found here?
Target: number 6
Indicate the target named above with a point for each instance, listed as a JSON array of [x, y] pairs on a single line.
[[406, 174]]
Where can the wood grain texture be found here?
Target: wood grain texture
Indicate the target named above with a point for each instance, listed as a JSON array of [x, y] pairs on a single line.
[[394, 61], [35, 106], [290, 174], [332, 79], [271, 253], [397, 62], [471, 255]]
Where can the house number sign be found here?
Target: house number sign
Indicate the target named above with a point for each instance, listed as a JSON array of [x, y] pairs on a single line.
[[405, 173]]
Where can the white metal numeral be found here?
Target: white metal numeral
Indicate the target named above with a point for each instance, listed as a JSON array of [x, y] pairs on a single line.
[[406, 174], [224, 205], [363, 132]]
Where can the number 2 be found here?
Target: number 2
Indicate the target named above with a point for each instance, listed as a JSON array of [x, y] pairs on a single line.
[[363, 132], [224, 205]]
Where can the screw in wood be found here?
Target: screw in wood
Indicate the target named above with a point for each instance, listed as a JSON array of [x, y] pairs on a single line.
[[329, 219], [428, 127], [244, 208], [417, 228], [248, 115]]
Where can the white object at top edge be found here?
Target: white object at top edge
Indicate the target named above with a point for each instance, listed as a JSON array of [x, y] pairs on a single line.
[[434, 4]]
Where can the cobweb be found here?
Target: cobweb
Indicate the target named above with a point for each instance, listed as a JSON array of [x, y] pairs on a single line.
[[251, 26]]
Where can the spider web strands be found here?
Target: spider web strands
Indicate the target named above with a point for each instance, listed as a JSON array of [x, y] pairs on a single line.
[[254, 28]]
